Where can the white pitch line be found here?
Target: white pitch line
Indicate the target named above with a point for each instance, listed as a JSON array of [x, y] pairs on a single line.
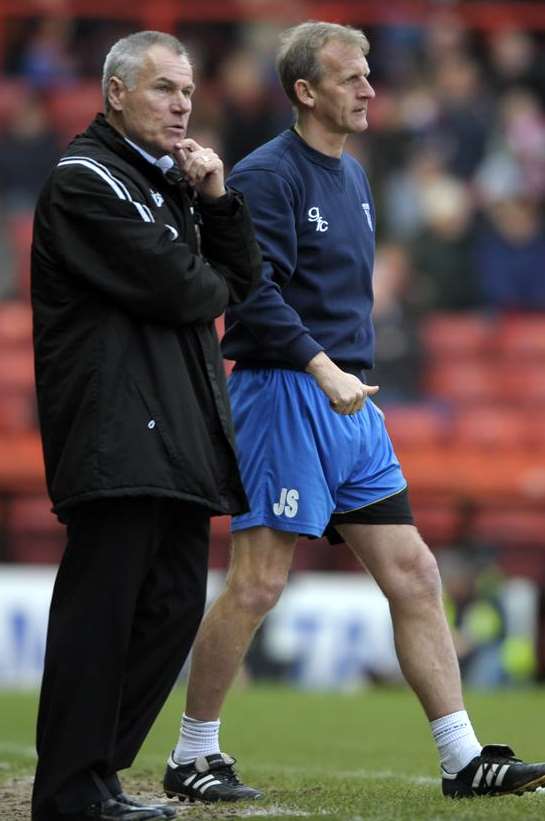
[[275, 810], [356, 774]]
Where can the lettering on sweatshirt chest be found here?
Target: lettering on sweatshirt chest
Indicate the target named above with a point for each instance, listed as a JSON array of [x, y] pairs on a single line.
[[325, 226]]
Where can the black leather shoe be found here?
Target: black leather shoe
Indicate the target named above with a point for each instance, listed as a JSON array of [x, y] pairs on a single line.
[[168, 812], [111, 810]]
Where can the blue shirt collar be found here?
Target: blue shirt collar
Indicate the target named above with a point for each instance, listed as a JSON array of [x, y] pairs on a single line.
[[165, 162]]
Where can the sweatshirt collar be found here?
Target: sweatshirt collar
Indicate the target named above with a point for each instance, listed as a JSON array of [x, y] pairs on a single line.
[[333, 163]]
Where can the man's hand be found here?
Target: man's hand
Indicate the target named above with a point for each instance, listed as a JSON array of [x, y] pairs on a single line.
[[345, 392], [202, 167]]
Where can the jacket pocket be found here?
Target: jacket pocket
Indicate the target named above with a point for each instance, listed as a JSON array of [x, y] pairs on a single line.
[[157, 424]]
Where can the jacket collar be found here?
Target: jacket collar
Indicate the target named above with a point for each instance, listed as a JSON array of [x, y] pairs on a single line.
[[101, 130]]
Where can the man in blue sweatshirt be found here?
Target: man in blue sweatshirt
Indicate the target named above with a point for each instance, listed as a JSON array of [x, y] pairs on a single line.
[[313, 449]]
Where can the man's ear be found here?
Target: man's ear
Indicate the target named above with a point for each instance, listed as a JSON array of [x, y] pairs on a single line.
[[116, 93], [304, 93]]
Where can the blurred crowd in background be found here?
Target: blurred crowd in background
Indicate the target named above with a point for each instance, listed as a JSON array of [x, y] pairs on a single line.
[[455, 152], [456, 156]]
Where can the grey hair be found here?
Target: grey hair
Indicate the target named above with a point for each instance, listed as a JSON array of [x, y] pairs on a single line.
[[300, 46], [124, 60]]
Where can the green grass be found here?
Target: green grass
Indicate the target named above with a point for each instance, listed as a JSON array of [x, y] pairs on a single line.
[[364, 756]]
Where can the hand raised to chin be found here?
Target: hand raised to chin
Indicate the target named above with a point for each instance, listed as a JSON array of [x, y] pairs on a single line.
[[202, 167]]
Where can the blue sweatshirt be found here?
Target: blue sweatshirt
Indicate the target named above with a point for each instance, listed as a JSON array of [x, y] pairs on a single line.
[[314, 219]]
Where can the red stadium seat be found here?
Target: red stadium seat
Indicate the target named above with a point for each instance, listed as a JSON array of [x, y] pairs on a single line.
[[16, 370], [430, 470], [417, 424], [522, 337], [514, 526], [503, 476], [32, 514], [465, 381], [535, 429], [477, 475], [493, 427], [20, 236], [17, 412], [17, 396], [71, 109], [35, 548], [11, 93], [220, 542], [15, 324], [458, 335], [440, 522], [34, 534], [21, 463], [525, 384]]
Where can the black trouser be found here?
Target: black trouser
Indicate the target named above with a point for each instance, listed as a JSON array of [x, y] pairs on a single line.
[[127, 602]]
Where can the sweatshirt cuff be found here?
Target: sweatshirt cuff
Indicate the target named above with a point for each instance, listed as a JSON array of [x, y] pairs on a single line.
[[302, 350]]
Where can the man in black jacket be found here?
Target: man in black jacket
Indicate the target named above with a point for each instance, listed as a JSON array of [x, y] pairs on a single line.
[[137, 248]]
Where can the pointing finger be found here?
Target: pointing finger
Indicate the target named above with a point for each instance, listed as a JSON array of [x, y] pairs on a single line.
[[190, 145], [180, 153]]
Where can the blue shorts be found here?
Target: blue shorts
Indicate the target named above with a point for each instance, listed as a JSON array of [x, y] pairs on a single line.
[[300, 461]]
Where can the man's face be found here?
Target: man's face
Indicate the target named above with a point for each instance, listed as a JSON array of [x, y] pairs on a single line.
[[342, 94], [155, 113]]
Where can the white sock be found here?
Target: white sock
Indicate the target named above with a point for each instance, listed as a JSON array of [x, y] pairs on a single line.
[[196, 738], [456, 741]]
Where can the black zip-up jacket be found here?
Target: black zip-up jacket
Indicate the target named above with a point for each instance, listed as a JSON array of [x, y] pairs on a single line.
[[130, 382]]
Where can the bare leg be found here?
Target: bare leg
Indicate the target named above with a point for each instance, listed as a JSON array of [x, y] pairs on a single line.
[[260, 562], [407, 573]]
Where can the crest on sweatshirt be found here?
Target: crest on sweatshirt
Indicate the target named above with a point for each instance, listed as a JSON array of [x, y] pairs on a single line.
[[367, 211]]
